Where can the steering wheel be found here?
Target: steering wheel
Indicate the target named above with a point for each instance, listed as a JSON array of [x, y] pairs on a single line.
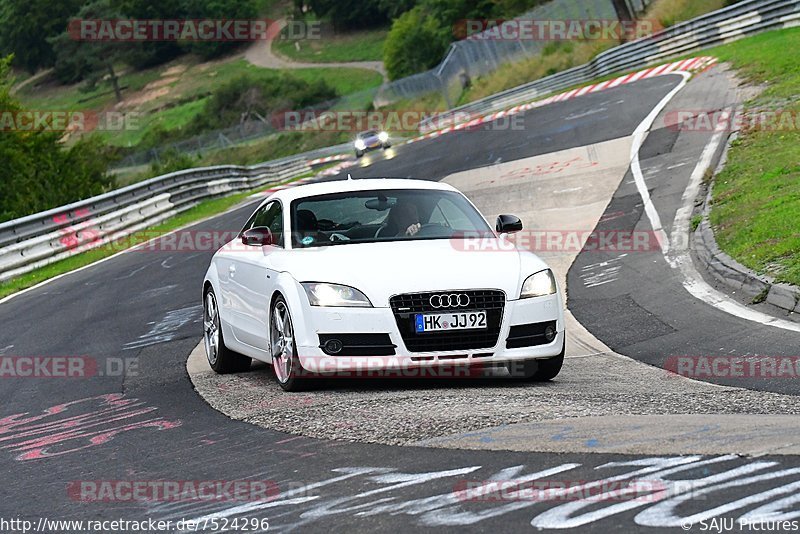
[[425, 229], [326, 225], [379, 230]]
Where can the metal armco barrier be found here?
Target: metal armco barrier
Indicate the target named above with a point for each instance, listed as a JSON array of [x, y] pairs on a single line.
[[37, 240], [739, 20]]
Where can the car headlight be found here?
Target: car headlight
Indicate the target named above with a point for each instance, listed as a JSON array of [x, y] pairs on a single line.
[[360, 144], [383, 136], [538, 285], [320, 294]]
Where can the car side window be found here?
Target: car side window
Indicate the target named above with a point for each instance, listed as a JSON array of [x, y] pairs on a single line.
[[269, 216]]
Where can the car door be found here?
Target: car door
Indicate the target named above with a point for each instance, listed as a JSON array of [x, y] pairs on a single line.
[[252, 277]]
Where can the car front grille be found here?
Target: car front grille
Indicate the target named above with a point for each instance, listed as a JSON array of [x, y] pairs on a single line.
[[406, 306]]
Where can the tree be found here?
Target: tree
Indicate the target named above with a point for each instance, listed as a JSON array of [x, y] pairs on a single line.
[[246, 98], [217, 9], [353, 14], [415, 43], [26, 26], [38, 172], [395, 8], [151, 53], [91, 60]]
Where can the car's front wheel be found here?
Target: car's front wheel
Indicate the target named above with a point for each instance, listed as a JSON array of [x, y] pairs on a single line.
[[285, 362], [220, 358], [538, 370]]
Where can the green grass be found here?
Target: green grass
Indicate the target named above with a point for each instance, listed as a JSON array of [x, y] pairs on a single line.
[[49, 95], [366, 45], [182, 95], [557, 58], [170, 118], [202, 211], [273, 147], [756, 208], [343, 80], [560, 56], [670, 12]]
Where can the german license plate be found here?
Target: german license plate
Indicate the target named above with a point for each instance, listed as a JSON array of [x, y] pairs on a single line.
[[440, 322]]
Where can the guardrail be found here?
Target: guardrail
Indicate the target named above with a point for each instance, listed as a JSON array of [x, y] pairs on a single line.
[[37, 240], [727, 24]]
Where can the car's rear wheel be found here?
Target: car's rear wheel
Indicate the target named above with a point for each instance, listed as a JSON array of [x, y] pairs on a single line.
[[538, 370], [220, 358], [285, 362]]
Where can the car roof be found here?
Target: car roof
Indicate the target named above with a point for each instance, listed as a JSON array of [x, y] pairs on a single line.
[[365, 184]]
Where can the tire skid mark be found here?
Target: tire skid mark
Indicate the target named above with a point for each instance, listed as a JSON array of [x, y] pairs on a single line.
[[656, 490], [77, 425]]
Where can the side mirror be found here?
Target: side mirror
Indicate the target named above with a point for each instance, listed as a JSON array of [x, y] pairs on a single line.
[[257, 237], [507, 224]]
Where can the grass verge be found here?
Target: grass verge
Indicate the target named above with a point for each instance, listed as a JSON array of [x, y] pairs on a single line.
[[366, 45], [171, 95], [558, 56], [756, 206]]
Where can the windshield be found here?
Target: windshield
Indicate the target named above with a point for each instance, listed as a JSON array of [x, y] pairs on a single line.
[[386, 215]]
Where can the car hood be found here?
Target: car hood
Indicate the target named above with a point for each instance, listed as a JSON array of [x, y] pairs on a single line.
[[381, 270]]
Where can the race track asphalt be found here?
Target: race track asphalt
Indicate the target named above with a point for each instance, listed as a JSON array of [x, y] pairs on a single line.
[[151, 425]]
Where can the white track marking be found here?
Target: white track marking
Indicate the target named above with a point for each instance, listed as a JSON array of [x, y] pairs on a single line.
[[639, 135], [680, 259]]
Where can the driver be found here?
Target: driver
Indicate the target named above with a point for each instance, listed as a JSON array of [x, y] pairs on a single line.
[[403, 219], [307, 227]]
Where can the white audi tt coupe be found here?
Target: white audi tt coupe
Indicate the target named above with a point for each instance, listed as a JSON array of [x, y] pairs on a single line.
[[379, 274]]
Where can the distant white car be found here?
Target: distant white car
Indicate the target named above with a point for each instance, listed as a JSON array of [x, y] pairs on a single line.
[[370, 140], [325, 277]]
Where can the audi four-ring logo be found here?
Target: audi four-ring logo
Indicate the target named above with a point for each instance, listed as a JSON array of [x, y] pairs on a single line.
[[454, 300]]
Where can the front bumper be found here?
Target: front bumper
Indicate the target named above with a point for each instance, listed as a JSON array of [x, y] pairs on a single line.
[[370, 147], [321, 321]]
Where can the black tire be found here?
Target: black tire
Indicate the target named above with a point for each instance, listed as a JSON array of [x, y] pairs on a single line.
[[359, 153], [288, 372], [221, 359], [538, 370]]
